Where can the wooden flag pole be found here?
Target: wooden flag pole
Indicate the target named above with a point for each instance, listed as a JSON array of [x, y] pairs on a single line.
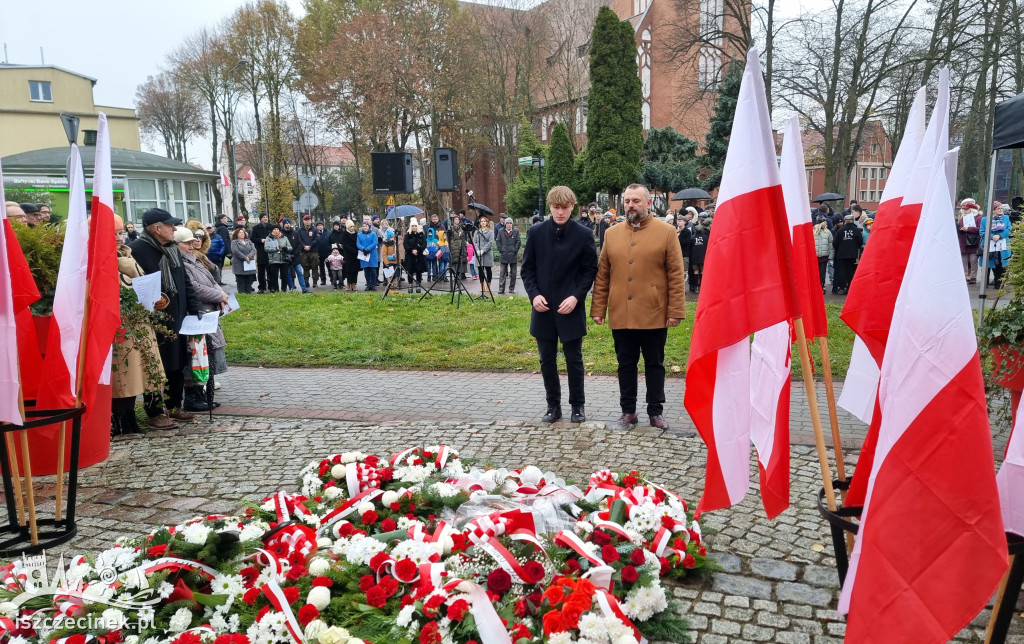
[[837, 441], [1013, 575], [62, 437], [27, 464], [12, 456], [812, 401]]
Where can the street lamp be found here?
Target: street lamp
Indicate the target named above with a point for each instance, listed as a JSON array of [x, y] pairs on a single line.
[[70, 122], [231, 138]]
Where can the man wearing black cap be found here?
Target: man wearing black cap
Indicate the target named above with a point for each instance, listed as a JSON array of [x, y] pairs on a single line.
[[848, 241], [32, 216], [156, 252], [309, 239]]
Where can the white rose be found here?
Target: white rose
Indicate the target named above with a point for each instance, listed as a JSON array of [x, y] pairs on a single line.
[[349, 457], [338, 471], [324, 543], [320, 565], [449, 543], [180, 620], [626, 639], [319, 596], [389, 497], [113, 619], [364, 507], [333, 492], [336, 528], [7, 609], [314, 629], [333, 635]]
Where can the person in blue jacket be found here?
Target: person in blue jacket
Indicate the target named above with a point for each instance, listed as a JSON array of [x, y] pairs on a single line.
[[998, 247], [366, 242]]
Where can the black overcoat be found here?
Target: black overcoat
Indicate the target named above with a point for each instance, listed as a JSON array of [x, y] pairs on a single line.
[[557, 264], [182, 303]]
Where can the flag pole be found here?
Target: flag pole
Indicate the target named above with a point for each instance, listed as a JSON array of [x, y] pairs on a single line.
[[812, 402], [12, 456], [999, 607], [837, 441]]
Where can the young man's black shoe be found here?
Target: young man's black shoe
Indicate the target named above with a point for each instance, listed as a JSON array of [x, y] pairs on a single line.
[[553, 414], [578, 415]]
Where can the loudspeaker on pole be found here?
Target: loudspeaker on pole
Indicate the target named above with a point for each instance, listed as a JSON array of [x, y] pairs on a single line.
[[446, 170], [392, 172]]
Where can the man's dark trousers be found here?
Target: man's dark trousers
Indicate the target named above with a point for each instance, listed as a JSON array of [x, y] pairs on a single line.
[[629, 345], [573, 351]]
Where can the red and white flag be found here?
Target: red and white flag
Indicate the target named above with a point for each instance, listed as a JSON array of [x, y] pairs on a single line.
[[17, 292], [746, 288], [252, 176], [869, 304], [59, 388], [874, 302], [224, 180], [104, 286], [1011, 479], [931, 547]]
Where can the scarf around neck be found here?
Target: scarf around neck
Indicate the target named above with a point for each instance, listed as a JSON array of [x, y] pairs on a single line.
[[170, 259]]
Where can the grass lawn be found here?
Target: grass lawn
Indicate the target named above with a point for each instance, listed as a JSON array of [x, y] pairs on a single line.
[[359, 330]]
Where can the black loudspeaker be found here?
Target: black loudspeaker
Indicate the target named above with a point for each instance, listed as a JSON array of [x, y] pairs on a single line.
[[392, 172], [446, 170]]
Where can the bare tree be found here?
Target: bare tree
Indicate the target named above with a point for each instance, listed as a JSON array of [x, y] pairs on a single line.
[[170, 111]]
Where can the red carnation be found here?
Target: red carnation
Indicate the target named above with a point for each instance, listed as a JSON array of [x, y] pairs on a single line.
[[366, 582], [668, 522], [389, 585], [702, 551], [499, 581], [665, 565], [157, 551], [520, 609], [405, 569], [609, 553], [322, 581], [250, 596], [377, 560], [336, 459], [694, 536], [376, 597], [396, 506], [291, 594], [431, 605], [519, 631], [458, 610], [629, 574], [534, 571], [431, 633], [369, 518], [185, 638], [637, 557], [77, 638], [386, 474], [388, 525], [262, 612], [629, 481], [232, 638], [307, 614], [371, 460], [689, 561]]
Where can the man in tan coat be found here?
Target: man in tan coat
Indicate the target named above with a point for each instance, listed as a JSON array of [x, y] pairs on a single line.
[[640, 287]]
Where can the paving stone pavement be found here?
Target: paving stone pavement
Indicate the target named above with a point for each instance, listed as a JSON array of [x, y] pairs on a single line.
[[777, 583], [378, 395]]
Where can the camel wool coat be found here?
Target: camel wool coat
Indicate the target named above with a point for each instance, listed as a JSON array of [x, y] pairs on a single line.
[[640, 278]]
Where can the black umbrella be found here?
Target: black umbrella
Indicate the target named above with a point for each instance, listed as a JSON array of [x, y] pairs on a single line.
[[828, 196], [482, 208], [690, 193]]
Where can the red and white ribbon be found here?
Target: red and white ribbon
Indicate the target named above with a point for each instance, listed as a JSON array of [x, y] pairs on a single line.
[[615, 528], [281, 507], [178, 564], [488, 624], [661, 540], [397, 458], [348, 507], [571, 541], [280, 603], [442, 457], [610, 607]]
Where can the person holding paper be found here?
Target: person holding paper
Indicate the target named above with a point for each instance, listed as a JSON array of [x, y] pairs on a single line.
[[156, 252], [243, 264], [212, 298], [970, 241], [279, 256], [128, 377], [366, 242], [350, 253]]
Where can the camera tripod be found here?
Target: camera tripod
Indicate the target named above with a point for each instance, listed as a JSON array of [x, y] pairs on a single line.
[[454, 284]]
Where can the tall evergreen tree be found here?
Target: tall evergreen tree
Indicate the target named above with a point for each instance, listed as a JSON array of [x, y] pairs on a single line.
[[521, 196], [560, 169], [615, 137], [670, 161], [716, 142]]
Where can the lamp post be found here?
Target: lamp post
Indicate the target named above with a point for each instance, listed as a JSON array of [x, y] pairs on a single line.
[[70, 123], [231, 139]]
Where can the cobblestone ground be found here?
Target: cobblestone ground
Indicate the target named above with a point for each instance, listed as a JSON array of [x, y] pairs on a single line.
[[778, 581]]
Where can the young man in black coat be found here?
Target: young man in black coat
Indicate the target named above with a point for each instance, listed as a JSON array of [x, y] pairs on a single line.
[[559, 266], [154, 244], [260, 232], [848, 241]]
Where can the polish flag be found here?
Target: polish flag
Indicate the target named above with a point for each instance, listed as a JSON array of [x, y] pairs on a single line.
[[874, 323], [104, 286], [746, 288], [872, 296], [252, 176], [224, 179], [1011, 479], [931, 547], [17, 292], [59, 386]]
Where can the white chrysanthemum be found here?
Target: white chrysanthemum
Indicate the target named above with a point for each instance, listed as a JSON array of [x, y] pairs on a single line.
[[113, 619], [180, 621], [389, 497], [404, 523], [592, 627], [78, 573], [196, 533], [584, 527], [218, 623], [414, 473], [531, 475], [319, 566], [230, 585], [333, 492], [560, 638], [319, 596], [625, 639], [131, 639], [323, 543], [97, 593], [336, 528], [643, 602], [338, 471], [405, 616], [252, 531], [364, 507], [362, 548], [165, 590], [418, 551], [444, 490], [8, 610], [117, 558], [314, 629]]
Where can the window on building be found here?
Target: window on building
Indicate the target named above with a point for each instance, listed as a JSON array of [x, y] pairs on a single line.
[[583, 50], [874, 173], [873, 195], [874, 148], [881, 174], [90, 137], [40, 91], [141, 197], [863, 195], [864, 174]]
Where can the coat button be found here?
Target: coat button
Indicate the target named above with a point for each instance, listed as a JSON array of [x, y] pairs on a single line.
[[630, 261], [630, 297], [633, 244], [630, 279]]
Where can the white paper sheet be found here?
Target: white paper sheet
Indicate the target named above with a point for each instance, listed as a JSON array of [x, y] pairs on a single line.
[[192, 325], [249, 266], [147, 289], [232, 305]]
